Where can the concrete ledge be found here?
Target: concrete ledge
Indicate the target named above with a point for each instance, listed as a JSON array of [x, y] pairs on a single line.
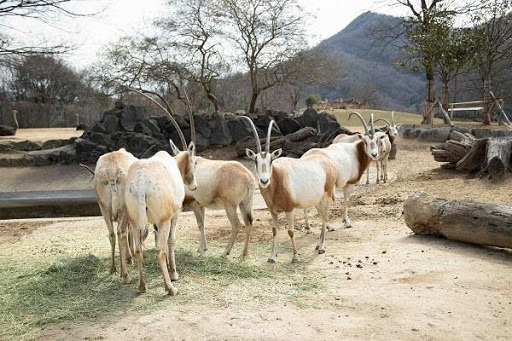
[[48, 204]]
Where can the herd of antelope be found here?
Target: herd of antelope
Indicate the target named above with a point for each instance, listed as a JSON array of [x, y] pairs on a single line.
[[137, 192]]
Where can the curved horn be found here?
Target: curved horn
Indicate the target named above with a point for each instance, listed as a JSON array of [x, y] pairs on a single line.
[[393, 117], [269, 132], [255, 131], [372, 126], [171, 117], [383, 119], [361, 119]]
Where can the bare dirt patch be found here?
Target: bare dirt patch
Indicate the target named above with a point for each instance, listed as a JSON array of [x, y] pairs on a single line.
[[376, 280]]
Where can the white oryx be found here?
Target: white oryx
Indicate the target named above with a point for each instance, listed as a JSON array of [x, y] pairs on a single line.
[[351, 159], [287, 183], [109, 181]]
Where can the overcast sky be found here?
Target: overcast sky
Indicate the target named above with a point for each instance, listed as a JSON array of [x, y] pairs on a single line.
[[123, 17]]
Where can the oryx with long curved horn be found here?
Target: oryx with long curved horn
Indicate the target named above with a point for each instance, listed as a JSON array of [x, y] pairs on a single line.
[[287, 183], [352, 156]]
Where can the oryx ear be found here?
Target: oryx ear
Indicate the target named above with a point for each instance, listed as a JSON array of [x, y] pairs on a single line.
[[175, 150], [276, 153], [250, 154], [382, 137], [360, 136], [398, 126], [192, 149]]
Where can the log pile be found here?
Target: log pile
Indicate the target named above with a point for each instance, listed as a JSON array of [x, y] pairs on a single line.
[[488, 156], [460, 220]]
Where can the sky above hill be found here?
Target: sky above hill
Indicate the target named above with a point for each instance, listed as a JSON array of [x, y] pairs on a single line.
[[116, 18]]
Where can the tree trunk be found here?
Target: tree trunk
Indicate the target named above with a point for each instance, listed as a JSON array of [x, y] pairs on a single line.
[[460, 220], [428, 116], [498, 157], [212, 98], [486, 111], [472, 161], [252, 103], [446, 96]]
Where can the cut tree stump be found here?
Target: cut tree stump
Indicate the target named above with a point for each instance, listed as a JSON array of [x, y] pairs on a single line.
[[472, 161], [498, 157], [459, 220]]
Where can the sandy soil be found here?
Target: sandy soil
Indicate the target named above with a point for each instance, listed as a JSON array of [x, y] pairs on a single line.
[[378, 280], [38, 134]]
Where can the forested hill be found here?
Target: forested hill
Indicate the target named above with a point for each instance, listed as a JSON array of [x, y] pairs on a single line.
[[371, 74]]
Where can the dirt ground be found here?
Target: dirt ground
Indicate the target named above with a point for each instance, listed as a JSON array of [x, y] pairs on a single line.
[[375, 281]]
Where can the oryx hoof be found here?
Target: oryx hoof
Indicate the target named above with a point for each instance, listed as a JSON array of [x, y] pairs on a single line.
[[271, 260], [127, 279], [321, 251], [317, 247], [173, 291], [113, 270], [330, 229], [142, 288], [295, 260], [174, 276]]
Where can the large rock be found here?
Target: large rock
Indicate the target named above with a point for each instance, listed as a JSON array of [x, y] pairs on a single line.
[[83, 145], [141, 128], [220, 130], [98, 127], [239, 129], [101, 139], [26, 145], [309, 118], [327, 122], [288, 125], [130, 115], [435, 134], [111, 123]]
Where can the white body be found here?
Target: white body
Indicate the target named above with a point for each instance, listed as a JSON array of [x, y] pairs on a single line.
[[154, 194], [351, 160], [109, 181]]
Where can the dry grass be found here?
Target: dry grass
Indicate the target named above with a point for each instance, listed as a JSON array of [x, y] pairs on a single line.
[[43, 291], [400, 118]]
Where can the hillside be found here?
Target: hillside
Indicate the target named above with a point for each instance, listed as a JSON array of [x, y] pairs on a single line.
[[370, 71]]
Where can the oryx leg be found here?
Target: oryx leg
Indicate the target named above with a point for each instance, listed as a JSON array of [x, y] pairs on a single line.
[[289, 220], [235, 227], [246, 212], [275, 225], [164, 229], [171, 246], [323, 211], [347, 191], [124, 249], [107, 215], [199, 212]]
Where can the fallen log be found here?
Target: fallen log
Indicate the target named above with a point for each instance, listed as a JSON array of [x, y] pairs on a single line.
[[472, 161], [459, 220]]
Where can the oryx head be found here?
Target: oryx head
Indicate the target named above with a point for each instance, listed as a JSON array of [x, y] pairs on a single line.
[[369, 138], [262, 159]]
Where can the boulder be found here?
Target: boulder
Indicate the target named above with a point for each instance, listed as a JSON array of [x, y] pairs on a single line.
[[84, 145], [327, 122], [151, 123], [141, 128], [98, 127], [101, 139], [26, 145], [309, 118], [130, 115], [435, 134], [50, 144], [82, 126], [220, 131], [202, 126], [288, 125], [239, 129], [111, 123]]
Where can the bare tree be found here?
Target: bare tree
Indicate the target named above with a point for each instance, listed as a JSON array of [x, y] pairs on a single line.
[[143, 64], [36, 10], [266, 33], [193, 28], [492, 33]]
